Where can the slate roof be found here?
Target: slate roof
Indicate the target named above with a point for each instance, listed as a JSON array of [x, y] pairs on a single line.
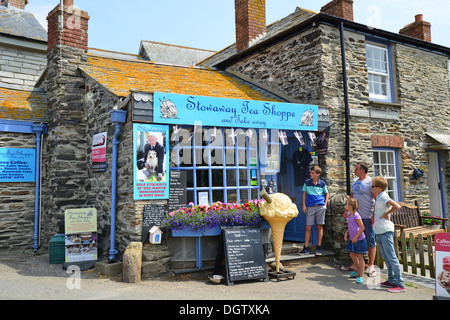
[[172, 54], [16, 22], [273, 29], [23, 105], [121, 76]]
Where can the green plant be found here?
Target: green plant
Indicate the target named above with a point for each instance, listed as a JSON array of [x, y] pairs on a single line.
[[202, 217], [430, 221]]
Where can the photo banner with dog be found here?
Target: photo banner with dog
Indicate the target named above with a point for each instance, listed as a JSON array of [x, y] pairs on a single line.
[[151, 168]]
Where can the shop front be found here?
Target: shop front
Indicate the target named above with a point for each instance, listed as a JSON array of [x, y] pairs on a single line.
[[215, 150]]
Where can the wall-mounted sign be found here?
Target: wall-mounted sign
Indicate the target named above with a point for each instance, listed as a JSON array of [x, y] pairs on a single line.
[[151, 168], [81, 234], [99, 152], [17, 165], [186, 109]]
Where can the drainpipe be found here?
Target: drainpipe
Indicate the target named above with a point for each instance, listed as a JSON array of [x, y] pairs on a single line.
[[39, 130], [118, 118], [347, 111]]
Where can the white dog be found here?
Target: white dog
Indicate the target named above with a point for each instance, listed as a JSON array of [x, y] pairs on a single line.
[[152, 161]]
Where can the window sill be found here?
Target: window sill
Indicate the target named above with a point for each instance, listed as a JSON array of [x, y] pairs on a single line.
[[385, 104]]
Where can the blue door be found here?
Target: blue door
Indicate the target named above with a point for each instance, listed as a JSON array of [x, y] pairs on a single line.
[[295, 229]]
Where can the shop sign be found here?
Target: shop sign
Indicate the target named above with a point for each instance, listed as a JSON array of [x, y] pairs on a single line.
[[442, 263], [17, 165], [99, 152], [186, 109], [81, 234], [151, 165]]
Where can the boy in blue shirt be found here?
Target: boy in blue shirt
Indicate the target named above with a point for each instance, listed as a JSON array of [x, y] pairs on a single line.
[[315, 199]]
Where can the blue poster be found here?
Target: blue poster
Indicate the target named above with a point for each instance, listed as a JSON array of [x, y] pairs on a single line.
[[151, 166], [17, 165], [186, 109]]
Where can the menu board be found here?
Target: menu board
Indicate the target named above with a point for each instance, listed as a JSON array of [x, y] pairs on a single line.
[[152, 216], [177, 190], [81, 234], [442, 263], [244, 255]]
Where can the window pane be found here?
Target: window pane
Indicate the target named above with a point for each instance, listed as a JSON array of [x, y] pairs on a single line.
[[231, 178], [243, 178], [217, 178], [243, 196], [231, 196], [217, 196], [202, 178]]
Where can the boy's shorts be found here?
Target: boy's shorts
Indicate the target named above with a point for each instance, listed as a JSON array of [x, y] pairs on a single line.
[[315, 213]]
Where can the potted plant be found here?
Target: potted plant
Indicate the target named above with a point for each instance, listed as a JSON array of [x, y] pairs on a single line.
[[206, 220], [429, 220]]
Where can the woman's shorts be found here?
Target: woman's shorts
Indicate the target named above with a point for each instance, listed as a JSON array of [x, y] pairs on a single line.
[[358, 247]]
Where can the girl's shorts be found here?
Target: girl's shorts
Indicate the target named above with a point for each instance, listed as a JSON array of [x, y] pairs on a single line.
[[358, 247]]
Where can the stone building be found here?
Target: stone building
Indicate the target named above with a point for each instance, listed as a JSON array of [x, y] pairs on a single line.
[[23, 114], [364, 87]]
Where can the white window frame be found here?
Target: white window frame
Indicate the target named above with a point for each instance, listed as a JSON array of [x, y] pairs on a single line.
[[373, 57], [385, 163]]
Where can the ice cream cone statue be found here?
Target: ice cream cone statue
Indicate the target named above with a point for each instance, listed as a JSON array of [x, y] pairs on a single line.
[[278, 210]]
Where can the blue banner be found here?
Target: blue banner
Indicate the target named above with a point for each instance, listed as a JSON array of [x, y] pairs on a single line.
[[220, 112], [17, 165]]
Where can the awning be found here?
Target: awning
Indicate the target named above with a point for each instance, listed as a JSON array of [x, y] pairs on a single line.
[[443, 141]]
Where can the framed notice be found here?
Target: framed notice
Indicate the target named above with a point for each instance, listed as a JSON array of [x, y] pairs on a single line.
[[17, 165], [81, 234], [151, 165]]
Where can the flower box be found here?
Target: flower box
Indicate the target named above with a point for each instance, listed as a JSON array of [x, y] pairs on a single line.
[[186, 232]]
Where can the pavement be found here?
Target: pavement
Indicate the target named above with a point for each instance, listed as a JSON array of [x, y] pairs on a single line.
[[28, 276]]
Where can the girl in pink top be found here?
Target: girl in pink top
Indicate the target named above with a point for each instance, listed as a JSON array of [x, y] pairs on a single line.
[[357, 245]]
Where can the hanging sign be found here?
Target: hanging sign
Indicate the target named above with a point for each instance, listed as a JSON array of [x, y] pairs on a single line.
[[442, 263], [151, 166], [17, 165], [99, 152], [81, 234], [186, 109]]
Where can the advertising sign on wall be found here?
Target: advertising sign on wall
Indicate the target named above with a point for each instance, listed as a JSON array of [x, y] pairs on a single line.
[[186, 109], [99, 152], [81, 234], [442, 263], [17, 165], [151, 168]]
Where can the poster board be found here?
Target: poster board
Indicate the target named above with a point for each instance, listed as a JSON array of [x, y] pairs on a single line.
[[17, 165], [81, 234], [151, 165], [442, 264], [177, 190], [244, 254], [152, 216]]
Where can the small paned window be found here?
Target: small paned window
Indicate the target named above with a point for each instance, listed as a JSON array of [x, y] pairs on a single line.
[[379, 71], [223, 164], [385, 163]]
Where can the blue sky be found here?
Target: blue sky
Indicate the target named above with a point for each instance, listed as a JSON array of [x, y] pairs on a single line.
[[119, 25]]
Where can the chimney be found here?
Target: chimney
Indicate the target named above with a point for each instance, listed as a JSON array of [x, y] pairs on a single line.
[[14, 3], [73, 32], [339, 8], [419, 29], [250, 21]]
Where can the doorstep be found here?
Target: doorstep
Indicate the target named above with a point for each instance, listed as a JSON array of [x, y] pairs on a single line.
[[290, 250]]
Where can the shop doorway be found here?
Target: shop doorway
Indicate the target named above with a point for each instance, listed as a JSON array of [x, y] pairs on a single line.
[[435, 184], [295, 229]]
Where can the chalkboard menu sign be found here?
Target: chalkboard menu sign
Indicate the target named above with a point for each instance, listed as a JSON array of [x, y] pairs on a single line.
[[177, 190], [244, 255], [153, 216]]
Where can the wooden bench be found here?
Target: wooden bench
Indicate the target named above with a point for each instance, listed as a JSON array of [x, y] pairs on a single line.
[[409, 220]]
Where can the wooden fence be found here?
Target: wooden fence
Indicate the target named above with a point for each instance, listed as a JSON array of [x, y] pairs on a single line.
[[411, 252]]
